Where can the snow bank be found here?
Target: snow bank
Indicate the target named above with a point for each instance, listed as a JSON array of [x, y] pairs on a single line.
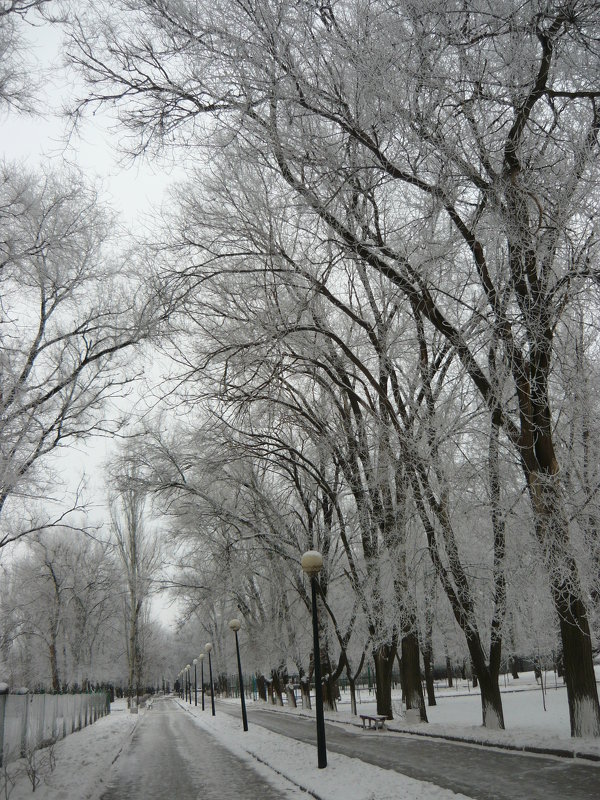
[[83, 761]]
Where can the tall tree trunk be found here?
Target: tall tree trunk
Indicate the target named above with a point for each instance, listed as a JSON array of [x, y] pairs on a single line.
[[328, 684], [278, 680], [491, 702], [291, 697], [580, 679], [54, 668], [449, 675], [330, 692], [428, 668], [411, 670], [487, 675], [305, 692], [383, 656], [428, 648], [352, 688], [352, 681], [261, 687], [132, 649]]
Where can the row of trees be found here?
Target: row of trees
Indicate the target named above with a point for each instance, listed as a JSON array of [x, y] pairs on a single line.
[[60, 613], [76, 609], [383, 281], [74, 312]]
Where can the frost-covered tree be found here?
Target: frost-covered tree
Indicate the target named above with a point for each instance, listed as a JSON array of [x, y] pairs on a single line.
[[450, 148], [136, 549], [70, 312], [18, 84], [59, 601]]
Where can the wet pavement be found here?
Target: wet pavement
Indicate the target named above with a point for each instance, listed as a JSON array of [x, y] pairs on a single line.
[[171, 758], [479, 772]]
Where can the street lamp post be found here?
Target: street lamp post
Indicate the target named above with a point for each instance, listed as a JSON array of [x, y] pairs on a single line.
[[208, 647], [194, 662], [235, 625], [312, 563], [188, 670], [201, 660]]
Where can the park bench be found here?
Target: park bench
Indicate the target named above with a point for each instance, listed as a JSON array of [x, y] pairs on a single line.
[[377, 719]]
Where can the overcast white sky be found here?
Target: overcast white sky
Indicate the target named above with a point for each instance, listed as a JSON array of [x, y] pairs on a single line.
[[130, 188]]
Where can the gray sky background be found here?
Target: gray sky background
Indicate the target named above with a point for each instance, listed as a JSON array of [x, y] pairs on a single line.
[[132, 189]]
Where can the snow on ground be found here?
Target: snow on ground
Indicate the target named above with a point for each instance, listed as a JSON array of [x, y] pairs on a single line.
[[84, 759]]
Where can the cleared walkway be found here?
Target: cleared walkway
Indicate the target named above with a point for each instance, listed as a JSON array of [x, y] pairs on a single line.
[[170, 758]]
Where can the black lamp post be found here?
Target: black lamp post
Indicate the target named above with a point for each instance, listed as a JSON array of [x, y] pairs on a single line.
[[201, 660], [312, 563], [235, 625], [188, 671], [208, 647], [194, 662]]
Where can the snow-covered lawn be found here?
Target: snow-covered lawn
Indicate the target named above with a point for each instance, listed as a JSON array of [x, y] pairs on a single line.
[[84, 759]]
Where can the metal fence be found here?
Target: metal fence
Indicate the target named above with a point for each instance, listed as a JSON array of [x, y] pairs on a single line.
[[29, 721]]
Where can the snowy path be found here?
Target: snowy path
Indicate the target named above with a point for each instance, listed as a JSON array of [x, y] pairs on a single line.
[[481, 773], [170, 757]]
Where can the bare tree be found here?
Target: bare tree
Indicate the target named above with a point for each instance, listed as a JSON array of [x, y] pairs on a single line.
[[61, 593], [69, 312], [18, 86], [137, 550]]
